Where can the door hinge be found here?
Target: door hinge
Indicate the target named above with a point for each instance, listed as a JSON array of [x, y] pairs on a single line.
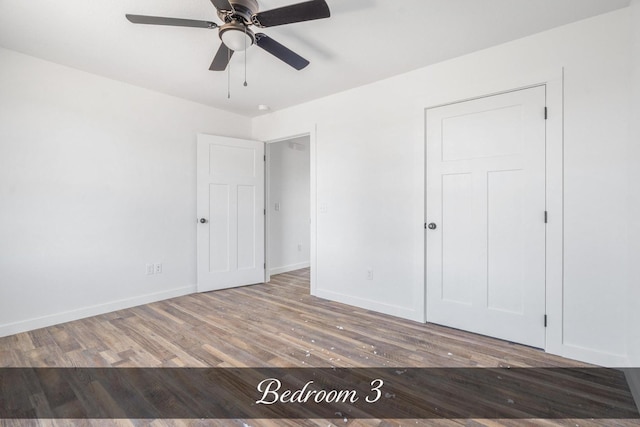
[[264, 265], [264, 212], [425, 225], [265, 157], [545, 320], [546, 217], [546, 113]]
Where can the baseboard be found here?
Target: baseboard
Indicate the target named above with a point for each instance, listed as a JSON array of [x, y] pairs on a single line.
[[81, 313], [392, 310], [288, 268], [633, 379], [589, 355]]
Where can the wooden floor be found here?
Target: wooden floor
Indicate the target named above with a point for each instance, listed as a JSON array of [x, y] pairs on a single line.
[[270, 325]]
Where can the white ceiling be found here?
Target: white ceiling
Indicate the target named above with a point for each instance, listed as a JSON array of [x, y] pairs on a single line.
[[363, 41]]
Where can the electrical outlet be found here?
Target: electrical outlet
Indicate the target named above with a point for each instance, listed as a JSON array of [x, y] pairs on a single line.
[[158, 268], [150, 269], [277, 206], [370, 274], [299, 248]]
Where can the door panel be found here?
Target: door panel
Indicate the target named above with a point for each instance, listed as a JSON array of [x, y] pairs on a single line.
[[231, 201], [495, 134], [456, 208], [486, 194], [219, 208], [505, 240], [246, 227]]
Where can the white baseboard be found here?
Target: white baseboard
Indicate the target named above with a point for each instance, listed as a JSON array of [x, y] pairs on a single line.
[[589, 355], [288, 268], [392, 310], [633, 379], [81, 313]]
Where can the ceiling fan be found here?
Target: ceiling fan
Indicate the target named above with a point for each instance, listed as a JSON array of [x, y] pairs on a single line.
[[238, 16]]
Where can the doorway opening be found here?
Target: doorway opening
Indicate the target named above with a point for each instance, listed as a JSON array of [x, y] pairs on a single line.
[[288, 205]]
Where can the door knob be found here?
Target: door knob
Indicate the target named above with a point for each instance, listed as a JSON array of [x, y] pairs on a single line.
[[432, 226], [202, 220]]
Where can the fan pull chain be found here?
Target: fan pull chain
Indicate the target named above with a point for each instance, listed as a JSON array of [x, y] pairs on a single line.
[[245, 56], [228, 74]]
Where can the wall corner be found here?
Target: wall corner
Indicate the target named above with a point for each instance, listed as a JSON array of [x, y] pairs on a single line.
[[633, 379], [633, 159]]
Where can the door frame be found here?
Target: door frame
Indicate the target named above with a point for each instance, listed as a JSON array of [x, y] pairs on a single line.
[[312, 203], [553, 81]]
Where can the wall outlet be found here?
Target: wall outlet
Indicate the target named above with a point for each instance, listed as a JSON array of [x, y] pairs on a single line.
[[299, 247], [370, 274], [158, 268], [150, 269], [277, 206]]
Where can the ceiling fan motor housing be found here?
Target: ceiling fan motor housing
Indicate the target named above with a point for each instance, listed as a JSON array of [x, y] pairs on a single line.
[[243, 10], [235, 33]]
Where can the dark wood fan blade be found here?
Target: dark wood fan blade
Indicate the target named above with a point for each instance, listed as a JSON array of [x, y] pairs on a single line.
[[177, 22], [279, 51], [222, 4], [221, 59], [307, 11]]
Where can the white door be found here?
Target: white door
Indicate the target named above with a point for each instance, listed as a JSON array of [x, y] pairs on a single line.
[[230, 210], [486, 214]]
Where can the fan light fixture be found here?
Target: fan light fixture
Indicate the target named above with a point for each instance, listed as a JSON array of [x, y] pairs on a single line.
[[236, 36], [237, 16]]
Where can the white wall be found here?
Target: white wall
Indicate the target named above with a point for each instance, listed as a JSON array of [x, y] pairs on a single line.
[[634, 173], [289, 233], [97, 178], [369, 155], [633, 328]]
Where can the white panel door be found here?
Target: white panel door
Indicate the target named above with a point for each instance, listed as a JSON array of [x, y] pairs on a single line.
[[486, 200], [230, 210]]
